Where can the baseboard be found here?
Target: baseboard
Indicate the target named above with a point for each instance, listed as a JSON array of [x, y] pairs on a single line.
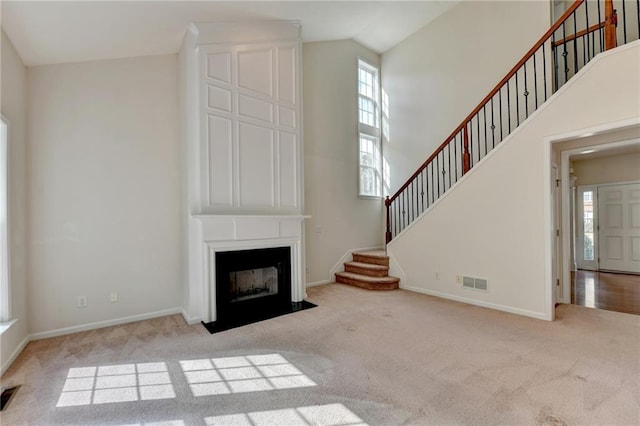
[[102, 324], [15, 354], [189, 320], [498, 307], [317, 283]]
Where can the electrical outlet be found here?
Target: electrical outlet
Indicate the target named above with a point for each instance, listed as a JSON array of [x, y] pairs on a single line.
[[113, 297], [81, 302], [437, 275], [459, 279]]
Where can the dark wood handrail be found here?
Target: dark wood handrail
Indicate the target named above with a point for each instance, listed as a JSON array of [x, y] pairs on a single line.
[[491, 94], [579, 34]]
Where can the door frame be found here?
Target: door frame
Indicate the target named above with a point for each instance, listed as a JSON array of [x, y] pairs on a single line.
[[556, 265], [549, 156]]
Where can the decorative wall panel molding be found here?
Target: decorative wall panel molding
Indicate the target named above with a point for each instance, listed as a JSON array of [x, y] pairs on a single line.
[[256, 87]]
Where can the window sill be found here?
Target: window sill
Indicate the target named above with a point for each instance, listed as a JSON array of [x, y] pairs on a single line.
[[4, 326], [370, 197]]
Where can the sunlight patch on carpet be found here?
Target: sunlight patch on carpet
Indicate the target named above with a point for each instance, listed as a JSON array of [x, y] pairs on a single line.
[[116, 383], [252, 373], [326, 415]]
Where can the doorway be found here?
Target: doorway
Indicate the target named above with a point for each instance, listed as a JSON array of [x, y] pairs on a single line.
[[581, 204], [606, 235], [607, 241]]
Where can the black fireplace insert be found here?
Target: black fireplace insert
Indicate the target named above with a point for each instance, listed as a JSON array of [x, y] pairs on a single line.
[[251, 286]]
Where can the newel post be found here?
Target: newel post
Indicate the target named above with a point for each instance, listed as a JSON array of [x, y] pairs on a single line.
[[466, 157], [610, 24], [387, 234]]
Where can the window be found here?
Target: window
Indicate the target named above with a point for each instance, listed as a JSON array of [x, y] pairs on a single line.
[[370, 179], [368, 91], [5, 306], [370, 156], [587, 220]]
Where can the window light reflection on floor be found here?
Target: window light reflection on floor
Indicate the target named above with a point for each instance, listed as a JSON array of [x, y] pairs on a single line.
[[252, 373], [589, 292], [326, 415], [116, 383]]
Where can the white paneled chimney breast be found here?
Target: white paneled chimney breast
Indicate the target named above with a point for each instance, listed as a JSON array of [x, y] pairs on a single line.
[[243, 151]]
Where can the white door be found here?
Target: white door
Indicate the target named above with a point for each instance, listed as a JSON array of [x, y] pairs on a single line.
[[586, 235], [619, 227]]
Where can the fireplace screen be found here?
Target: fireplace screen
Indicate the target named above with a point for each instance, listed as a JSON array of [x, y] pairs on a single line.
[[253, 283]]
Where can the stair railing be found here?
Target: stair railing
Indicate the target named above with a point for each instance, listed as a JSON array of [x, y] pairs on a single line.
[[587, 28]]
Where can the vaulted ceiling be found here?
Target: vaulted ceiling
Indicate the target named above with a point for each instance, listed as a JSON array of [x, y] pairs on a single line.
[[48, 32]]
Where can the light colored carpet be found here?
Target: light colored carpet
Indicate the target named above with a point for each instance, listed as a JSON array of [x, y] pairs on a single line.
[[381, 358]]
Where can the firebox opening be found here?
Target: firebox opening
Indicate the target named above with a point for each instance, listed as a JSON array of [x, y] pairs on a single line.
[[252, 283]]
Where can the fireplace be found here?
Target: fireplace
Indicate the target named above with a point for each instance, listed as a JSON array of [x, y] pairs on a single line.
[[252, 283], [244, 163]]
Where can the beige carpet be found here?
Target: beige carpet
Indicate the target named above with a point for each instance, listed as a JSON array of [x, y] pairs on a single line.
[[383, 358]]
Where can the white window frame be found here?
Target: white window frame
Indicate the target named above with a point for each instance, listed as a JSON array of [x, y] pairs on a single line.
[[5, 288], [369, 132]]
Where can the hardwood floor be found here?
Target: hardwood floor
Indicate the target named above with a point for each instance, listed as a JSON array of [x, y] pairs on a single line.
[[604, 290]]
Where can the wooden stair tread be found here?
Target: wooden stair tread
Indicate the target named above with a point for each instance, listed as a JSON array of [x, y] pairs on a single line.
[[372, 253], [367, 265], [366, 278], [366, 282], [377, 257], [369, 269]]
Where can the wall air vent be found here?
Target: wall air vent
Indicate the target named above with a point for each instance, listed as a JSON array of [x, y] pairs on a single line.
[[468, 282], [481, 284], [473, 283], [7, 396]]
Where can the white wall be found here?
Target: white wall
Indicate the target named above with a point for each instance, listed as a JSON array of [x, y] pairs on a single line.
[[104, 191], [438, 75], [341, 220], [12, 101], [494, 223]]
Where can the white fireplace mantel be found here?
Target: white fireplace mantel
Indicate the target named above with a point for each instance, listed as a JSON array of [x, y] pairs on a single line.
[[231, 233]]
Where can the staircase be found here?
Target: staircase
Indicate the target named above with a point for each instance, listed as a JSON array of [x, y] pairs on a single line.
[[368, 270], [557, 56]]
